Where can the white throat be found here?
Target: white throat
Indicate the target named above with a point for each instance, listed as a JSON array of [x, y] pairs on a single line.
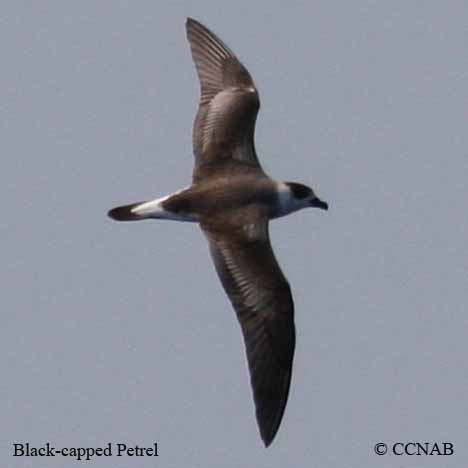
[[286, 200]]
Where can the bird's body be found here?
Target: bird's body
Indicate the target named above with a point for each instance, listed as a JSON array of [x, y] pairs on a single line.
[[226, 196], [233, 200]]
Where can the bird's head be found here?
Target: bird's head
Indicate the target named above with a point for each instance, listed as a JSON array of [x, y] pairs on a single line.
[[301, 196]]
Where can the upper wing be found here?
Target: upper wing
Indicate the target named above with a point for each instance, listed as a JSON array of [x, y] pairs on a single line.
[[225, 122], [261, 297]]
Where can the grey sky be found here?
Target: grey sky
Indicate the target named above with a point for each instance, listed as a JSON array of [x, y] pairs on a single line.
[[123, 333]]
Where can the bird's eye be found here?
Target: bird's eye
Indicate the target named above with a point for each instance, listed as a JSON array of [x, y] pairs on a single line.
[[300, 191]]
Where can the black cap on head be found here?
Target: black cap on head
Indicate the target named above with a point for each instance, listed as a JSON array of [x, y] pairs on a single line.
[[299, 191]]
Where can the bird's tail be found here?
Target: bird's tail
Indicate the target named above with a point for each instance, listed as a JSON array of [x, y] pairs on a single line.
[[126, 213]]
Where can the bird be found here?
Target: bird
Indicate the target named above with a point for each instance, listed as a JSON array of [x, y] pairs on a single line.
[[233, 199]]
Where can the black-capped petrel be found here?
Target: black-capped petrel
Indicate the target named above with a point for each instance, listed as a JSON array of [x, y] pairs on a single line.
[[233, 200]]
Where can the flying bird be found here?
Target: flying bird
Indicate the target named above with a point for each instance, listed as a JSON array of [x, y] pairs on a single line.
[[233, 200]]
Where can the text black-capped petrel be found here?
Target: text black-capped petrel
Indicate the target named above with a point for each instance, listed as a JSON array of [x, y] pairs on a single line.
[[233, 200]]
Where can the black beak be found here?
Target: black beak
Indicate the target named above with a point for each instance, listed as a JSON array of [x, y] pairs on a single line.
[[317, 203]]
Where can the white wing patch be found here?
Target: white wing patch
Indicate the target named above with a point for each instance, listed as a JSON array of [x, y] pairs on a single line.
[[251, 230]]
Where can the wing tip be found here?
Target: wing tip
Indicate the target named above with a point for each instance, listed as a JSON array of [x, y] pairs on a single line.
[[193, 24], [268, 432], [189, 22], [268, 439], [269, 424]]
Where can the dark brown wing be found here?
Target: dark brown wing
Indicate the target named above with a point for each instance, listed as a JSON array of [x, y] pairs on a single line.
[[261, 297], [224, 126]]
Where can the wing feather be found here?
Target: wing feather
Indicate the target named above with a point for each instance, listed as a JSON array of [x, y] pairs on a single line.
[[261, 297], [225, 122]]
